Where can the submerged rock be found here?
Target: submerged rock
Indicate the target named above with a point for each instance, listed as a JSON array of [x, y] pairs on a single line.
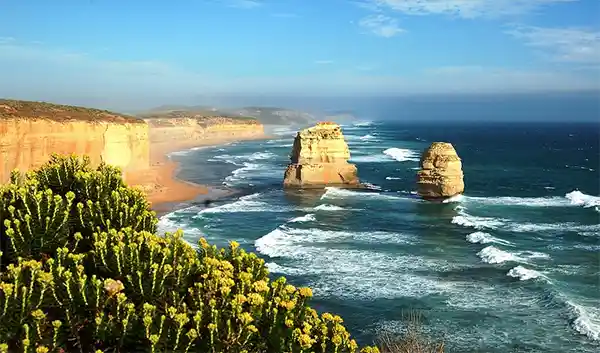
[[441, 174], [320, 158]]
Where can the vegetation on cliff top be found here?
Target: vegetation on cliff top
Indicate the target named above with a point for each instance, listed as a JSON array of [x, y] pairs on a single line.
[[202, 118], [19, 109], [83, 270]]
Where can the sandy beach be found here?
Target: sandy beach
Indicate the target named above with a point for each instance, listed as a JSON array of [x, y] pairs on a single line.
[[164, 190]]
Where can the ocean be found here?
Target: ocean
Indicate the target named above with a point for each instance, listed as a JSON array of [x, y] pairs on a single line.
[[511, 266]]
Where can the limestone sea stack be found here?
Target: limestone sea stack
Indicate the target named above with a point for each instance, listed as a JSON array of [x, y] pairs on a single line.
[[320, 158], [441, 174]]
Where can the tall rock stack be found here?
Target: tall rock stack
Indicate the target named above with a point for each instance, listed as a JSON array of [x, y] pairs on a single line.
[[320, 158], [441, 174]]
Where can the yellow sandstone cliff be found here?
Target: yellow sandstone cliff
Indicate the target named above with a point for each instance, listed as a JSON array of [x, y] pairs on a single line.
[[31, 131], [190, 130], [320, 158], [441, 174]]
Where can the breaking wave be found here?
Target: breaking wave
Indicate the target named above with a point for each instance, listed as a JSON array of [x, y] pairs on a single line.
[[523, 274], [401, 154], [327, 207], [586, 320], [493, 255], [485, 238], [306, 218], [573, 198], [580, 199]]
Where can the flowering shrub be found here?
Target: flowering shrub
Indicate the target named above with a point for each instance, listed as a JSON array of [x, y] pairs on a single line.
[[83, 270]]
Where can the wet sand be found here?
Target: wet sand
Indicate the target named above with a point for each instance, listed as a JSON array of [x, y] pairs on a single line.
[[164, 190]]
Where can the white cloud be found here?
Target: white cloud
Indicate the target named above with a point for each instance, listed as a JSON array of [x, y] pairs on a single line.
[[245, 4], [461, 8], [323, 62], [573, 45], [381, 25]]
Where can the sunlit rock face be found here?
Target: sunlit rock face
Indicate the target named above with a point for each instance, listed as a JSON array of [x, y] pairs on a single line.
[[31, 131], [319, 158], [441, 174]]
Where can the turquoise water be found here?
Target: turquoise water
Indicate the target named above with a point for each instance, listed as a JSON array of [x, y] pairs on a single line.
[[511, 266]]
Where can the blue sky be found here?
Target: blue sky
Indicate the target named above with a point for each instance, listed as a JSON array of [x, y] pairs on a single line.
[[158, 50]]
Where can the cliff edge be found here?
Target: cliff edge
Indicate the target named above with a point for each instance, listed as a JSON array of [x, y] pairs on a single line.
[[441, 174], [319, 158], [179, 129], [31, 131]]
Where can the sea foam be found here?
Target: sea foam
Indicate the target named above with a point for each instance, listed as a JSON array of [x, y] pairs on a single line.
[[580, 199], [523, 274], [401, 154], [485, 238], [586, 320]]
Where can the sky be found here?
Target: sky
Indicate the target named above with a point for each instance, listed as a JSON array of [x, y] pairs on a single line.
[[155, 51]]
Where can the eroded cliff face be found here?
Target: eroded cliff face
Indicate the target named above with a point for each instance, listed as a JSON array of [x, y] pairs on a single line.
[[319, 158], [26, 144], [441, 174], [190, 131], [31, 131]]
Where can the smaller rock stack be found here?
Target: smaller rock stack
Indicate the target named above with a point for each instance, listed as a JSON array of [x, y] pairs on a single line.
[[441, 174], [320, 158]]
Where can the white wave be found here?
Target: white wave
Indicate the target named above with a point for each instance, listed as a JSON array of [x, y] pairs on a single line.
[[270, 142], [401, 154], [591, 230], [467, 220], [586, 320], [250, 197], [306, 218], [363, 123], [275, 268], [493, 255], [332, 192], [552, 201], [573, 198], [368, 137], [485, 238], [244, 204], [523, 274], [393, 178], [578, 198], [260, 156], [326, 207], [170, 222], [351, 272], [372, 186], [455, 198], [283, 241]]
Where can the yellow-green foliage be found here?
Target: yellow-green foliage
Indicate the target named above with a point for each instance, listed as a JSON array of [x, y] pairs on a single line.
[[83, 270]]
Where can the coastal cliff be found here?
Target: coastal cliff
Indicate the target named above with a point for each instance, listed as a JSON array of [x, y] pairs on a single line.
[[441, 174], [31, 131], [191, 130], [319, 158]]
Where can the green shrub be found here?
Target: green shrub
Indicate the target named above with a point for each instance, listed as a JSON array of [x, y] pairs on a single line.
[[83, 270]]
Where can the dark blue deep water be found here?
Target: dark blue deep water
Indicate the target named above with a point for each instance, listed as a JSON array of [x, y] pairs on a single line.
[[511, 266]]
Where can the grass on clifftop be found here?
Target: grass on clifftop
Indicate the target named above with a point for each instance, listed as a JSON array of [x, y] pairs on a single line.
[[18, 109], [83, 270], [203, 117]]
